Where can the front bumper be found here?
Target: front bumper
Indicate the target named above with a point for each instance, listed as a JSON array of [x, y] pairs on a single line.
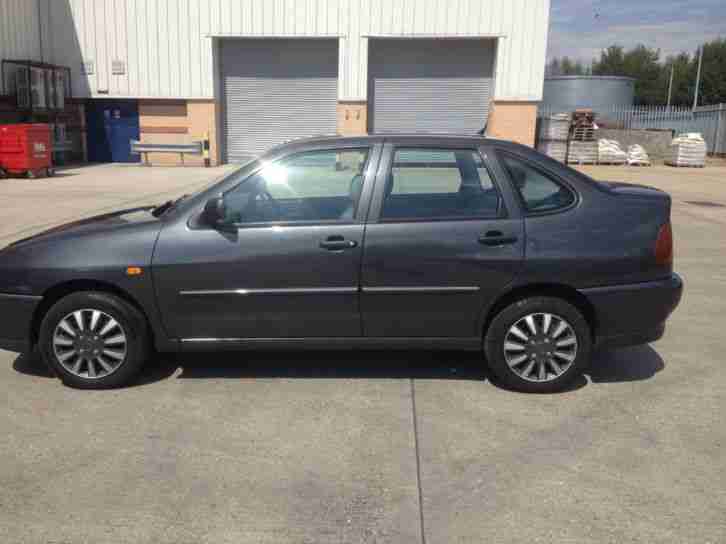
[[632, 314], [16, 317]]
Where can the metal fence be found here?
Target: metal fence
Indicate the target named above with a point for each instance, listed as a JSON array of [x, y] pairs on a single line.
[[710, 121]]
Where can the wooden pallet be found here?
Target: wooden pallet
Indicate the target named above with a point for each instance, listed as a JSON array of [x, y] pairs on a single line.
[[583, 135], [582, 128]]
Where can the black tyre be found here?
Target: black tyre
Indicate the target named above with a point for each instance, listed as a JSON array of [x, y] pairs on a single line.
[[538, 345], [94, 340]]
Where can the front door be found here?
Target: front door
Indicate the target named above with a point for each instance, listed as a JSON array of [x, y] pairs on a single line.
[[440, 244], [286, 261]]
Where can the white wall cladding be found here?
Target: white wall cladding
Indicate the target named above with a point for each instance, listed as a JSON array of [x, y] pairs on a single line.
[[168, 51], [19, 30]]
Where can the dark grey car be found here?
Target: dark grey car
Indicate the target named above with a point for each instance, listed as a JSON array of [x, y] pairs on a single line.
[[380, 241]]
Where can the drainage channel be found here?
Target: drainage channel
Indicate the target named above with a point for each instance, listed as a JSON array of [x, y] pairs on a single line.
[[705, 203]]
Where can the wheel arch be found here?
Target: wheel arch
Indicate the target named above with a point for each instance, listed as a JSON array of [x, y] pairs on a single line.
[[57, 292], [556, 290]]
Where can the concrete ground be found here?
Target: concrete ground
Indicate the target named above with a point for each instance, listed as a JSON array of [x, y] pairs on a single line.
[[373, 447], [32, 205]]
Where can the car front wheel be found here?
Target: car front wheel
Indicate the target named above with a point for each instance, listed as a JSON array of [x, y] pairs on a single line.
[[538, 345], [94, 340]]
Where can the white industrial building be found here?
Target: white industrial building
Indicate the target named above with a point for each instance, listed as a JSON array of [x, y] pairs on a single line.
[[251, 73]]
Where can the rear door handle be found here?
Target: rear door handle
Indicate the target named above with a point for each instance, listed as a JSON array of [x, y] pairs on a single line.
[[337, 243], [496, 238]]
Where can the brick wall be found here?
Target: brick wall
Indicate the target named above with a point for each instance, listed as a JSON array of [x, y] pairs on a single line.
[[178, 121], [183, 121], [352, 118], [515, 121]]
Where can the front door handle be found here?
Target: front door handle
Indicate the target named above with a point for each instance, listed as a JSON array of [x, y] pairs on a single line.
[[337, 243], [496, 238]]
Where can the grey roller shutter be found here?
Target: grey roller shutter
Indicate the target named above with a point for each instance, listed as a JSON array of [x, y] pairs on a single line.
[[426, 85], [276, 90]]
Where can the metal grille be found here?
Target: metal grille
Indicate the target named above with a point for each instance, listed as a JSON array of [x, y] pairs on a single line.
[[427, 85], [276, 90]]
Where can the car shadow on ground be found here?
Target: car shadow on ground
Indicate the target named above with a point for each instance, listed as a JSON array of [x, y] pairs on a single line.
[[624, 365]]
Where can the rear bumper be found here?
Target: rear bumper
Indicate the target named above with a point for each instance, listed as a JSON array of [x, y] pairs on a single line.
[[16, 317], [633, 314]]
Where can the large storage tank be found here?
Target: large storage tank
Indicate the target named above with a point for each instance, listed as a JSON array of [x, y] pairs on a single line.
[[600, 93]]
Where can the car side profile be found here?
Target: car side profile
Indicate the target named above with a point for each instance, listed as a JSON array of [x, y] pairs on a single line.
[[383, 241]]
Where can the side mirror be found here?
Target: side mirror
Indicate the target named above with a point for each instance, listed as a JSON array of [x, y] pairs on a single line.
[[214, 211]]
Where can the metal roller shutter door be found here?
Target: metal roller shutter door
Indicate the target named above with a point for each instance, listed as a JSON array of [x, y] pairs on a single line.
[[275, 90], [426, 85]]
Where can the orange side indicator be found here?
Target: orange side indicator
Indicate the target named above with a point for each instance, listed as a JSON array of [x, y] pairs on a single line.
[[134, 271]]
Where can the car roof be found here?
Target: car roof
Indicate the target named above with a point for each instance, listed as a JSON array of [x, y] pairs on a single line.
[[409, 137]]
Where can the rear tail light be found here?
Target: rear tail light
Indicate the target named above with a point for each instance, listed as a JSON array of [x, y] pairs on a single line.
[[664, 245]]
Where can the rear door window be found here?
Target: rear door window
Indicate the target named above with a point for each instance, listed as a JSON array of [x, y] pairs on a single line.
[[439, 183]]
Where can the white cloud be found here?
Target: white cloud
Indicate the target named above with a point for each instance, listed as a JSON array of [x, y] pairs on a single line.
[[670, 37]]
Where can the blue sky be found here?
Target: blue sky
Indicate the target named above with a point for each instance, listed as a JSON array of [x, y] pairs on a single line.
[[582, 28]]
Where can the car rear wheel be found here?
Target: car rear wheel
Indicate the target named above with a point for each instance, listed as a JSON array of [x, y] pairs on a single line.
[[94, 340], [538, 344]]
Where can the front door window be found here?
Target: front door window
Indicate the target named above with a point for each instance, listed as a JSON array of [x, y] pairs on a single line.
[[315, 186]]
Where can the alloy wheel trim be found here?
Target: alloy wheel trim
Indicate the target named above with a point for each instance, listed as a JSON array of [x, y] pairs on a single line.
[[90, 344], [540, 347]]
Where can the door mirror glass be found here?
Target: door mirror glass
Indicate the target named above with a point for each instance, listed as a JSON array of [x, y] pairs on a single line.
[[214, 211]]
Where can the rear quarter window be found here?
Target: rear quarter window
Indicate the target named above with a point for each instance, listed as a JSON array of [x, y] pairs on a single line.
[[539, 191]]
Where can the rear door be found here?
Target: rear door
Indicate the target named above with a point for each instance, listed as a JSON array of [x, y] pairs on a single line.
[[442, 241]]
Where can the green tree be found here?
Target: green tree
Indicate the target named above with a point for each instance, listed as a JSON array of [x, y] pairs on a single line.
[[640, 63], [566, 67], [553, 67], [713, 73], [684, 75], [570, 67], [611, 63], [652, 76]]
